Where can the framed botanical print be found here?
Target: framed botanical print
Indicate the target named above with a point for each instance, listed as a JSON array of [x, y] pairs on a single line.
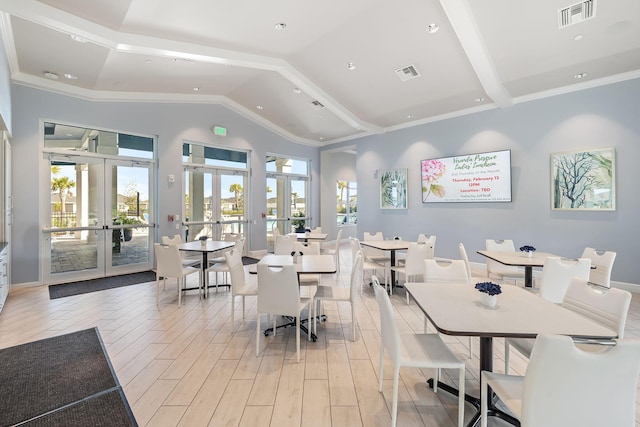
[[393, 189], [584, 180]]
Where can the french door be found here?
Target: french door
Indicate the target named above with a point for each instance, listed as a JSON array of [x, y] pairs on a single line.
[[214, 202], [287, 205], [98, 218]]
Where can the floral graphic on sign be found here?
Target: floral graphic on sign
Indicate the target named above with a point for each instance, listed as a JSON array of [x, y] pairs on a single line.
[[432, 171]]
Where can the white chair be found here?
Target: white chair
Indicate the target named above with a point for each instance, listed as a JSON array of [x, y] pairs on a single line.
[[498, 271], [339, 293], [603, 262], [557, 274], [608, 307], [308, 248], [219, 264], [239, 285], [423, 238], [177, 240], [414, 351], [413, 268], [169, 264], [565, 386], [316, 230], [475, 276], [446, 271], [335, 251], [284, 244], [401, 256], [373, 267], [279, 294]]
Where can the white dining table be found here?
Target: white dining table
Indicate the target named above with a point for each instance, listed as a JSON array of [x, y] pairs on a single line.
[[455, 309], [305, 264], [391, 246], [310, 237], [205, 248], [519, 259]]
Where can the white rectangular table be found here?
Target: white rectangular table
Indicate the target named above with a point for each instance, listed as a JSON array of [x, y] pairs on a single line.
[[205, 248], [519, 259], [391, 246], [455, 309], [310, 237]]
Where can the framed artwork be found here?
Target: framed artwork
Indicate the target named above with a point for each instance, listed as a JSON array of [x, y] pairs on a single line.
[[584, 180], [393, 189]]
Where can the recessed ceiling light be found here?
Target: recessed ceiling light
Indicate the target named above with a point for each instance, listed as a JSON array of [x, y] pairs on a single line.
[[71, 76], [259, 107], [433, 28], [78, 38], [68, 134], [195, 89], [280, 26], [580, 75], [148, 61], [578, 37], [479, 99], [296, 90], [410, 116], [351, 66], [50, 75]]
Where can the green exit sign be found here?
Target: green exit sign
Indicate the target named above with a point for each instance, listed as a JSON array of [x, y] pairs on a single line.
[[219, 130]]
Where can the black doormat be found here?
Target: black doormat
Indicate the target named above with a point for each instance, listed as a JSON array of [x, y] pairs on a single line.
[[246, 260], [93, 285], [61, 381]]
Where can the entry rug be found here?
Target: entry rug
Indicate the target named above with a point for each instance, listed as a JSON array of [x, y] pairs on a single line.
[[66, 381], [94, 285]]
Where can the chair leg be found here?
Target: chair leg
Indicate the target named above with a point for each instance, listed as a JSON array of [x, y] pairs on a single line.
[[394, 410], [381, 367], [298, 337], [233, 312], [436, 380], [461, 397], [179, 281], [483, 401], [258, 335], [157, 288], [353, 321]]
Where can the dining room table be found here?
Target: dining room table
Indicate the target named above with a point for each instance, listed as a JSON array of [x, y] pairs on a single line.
[[519, 259], [205, 247], [310, 237], [305, 264], [456, 309], [391, 246]]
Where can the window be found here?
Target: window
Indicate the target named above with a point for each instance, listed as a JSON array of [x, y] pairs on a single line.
[[347, 207]]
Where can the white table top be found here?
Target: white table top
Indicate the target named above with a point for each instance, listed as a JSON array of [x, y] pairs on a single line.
[[211, 246], [386, 245], [310, 236], [455, 309], [520, 259], [307, 264]]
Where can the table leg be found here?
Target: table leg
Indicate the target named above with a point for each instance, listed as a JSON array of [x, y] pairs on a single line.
[[486, 364], [528, 277]]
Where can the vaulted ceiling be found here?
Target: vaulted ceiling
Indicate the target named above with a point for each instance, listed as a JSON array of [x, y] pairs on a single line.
[[328, 71]]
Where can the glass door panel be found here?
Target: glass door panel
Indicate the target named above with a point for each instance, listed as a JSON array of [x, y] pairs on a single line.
[[298, 209], [232, 203]]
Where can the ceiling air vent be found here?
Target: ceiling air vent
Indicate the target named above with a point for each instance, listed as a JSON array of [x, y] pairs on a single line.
[[576, 13], [407, 73], [317, 104]]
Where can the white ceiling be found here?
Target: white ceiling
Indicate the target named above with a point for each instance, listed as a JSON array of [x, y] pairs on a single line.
[[486, 54]]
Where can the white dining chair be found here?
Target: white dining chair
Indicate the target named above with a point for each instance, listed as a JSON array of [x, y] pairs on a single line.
[[607, 307], [475, 275], [557, 274], [279, 294], [603, 263], [316, 230], [498, 271], [284, 244], [187, 261], [414, 351], [566, 386], [340, 293], [169, 265], [335, 250], [308, 248], [413, 268], [219, 264], [372, 254], [239, 285], [373, 267], [401, 256]]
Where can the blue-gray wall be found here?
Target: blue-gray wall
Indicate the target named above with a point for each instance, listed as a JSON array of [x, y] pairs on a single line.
[[171, 123], [607, 116]]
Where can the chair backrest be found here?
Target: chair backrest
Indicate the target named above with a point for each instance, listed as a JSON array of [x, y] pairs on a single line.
[[608, 307], [566, 386], [354, 242], [176, 239], [337, 244], [232, 237], [316, 230], [388, 327], [495, 266], [236, 269], [276, 230], [414, 262], [373, 236], [465, 258], [278, 290], [557, 274], [356, 276], [423, 238], [500, 245], [603, 262], [307, 248], [284, 245], [371, 252], [453, 271], [168, 260]]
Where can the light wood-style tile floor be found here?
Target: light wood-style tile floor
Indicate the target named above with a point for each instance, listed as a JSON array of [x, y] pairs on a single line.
[[187, 367]]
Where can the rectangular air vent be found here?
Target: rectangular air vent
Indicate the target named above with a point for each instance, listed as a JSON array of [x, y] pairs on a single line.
[[317, 104], [576, 13], [407, 73]]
